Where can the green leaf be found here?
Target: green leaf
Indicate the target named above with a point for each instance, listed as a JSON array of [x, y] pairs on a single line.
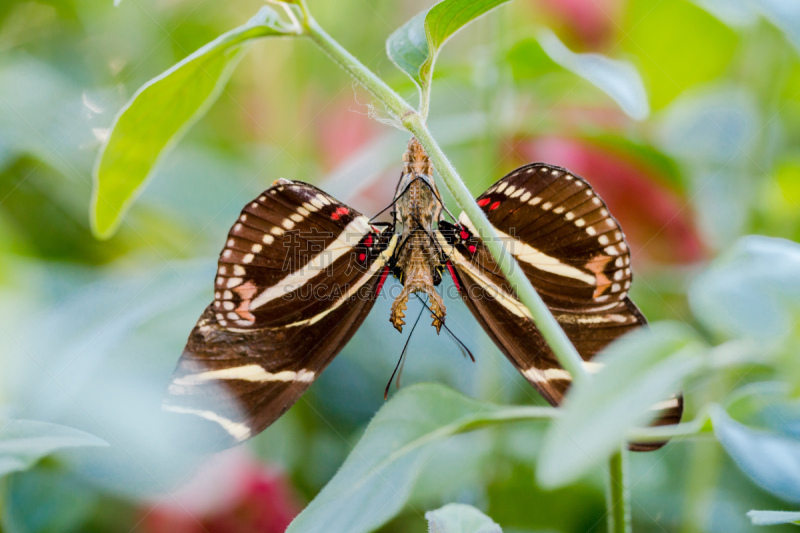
[[376, 479], [773, 518], [618, 79], [414, 46], [160, 113], [770, 459], [638, 370], [24, 442], [752, 291], [460, 518]]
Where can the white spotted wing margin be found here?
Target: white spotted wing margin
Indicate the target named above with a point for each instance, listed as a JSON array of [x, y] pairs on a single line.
[[574, 254], [298, 275]]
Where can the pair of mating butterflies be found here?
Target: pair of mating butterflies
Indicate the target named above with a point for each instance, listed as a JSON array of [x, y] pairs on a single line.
[[300, 271]]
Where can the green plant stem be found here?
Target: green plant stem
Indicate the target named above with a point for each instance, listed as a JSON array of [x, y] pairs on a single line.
[[662, 433], [618, 495], [385, 94], [551, 330]]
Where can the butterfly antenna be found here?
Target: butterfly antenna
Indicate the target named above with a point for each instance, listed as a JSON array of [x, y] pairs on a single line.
[[402, 355], [396, 198], [441, 202], [461, 346]]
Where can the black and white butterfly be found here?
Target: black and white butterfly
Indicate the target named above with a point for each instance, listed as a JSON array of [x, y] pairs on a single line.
[[300, 271]]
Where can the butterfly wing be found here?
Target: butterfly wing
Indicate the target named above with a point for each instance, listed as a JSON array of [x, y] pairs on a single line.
[[298, 275], [575, 255]]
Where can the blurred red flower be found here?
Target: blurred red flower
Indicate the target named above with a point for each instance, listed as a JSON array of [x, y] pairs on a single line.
[[231, 493], [592, 21]]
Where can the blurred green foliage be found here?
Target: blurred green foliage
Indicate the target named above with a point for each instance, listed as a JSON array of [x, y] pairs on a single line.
[[91, 330]]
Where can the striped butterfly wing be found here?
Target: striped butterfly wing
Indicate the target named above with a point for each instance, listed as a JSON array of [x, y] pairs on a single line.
[[575, 255], [298, 275]]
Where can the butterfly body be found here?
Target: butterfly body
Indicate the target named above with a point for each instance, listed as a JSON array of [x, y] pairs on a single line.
[[418, 263], [300, 271]]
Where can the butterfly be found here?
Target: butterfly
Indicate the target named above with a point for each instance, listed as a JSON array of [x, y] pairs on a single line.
[[300, 271]]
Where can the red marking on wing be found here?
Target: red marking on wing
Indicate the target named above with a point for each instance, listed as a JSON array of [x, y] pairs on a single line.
[[495, 205], [244, 311], [340, 211], [472, 248], [368, 241], [362, 257], [484, 201], [382, 280], [453, 275], [464, 234], [245, 292]]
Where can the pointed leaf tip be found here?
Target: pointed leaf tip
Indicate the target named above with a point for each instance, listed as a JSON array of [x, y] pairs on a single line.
[[158, 115]]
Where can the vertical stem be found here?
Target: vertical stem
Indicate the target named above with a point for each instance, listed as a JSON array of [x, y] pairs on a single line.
[[551, 330], [379, 89], [565, 352], [618, 496]]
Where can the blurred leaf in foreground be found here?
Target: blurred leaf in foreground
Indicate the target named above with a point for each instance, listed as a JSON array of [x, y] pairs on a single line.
[[25, 442], [639, 370], [460, 518], [375, 481], [160, 113], [770, 459], [773, 518]]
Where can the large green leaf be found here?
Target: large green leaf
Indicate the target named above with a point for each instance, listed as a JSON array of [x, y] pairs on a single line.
[[770, 459], [773, 518], [414, 46], [638, 370], [160, 113], [618, 79], [24, 442], [460, 518], [376, 479]]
